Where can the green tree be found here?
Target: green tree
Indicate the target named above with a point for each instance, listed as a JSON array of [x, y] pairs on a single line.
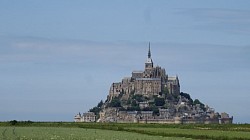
[[147, 109], [165, 106], [100, 104], [13, 122], [115, 102], [186, 95], [196, 101], [134, 103], [155, 110], [122, 109], [134, 108], [159, 101], [95, 109], [129, 101], [138, 98]]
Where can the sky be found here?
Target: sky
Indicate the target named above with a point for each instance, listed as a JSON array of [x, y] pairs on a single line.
[[58, 58]]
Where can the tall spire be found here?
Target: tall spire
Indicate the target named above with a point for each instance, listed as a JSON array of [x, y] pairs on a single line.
[[149, 52], [149, 63]]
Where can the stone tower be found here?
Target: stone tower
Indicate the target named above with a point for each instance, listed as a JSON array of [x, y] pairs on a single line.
[[148, 64]]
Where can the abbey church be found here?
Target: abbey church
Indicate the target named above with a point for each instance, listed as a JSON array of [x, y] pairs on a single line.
[[151, 81]]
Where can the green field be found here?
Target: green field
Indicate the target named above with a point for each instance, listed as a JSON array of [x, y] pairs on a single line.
[[194, 133], [57, 133], [114, 131]]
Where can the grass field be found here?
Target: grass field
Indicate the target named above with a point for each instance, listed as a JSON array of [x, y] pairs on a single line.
[[58, 133], [193, 133], [114, 131]]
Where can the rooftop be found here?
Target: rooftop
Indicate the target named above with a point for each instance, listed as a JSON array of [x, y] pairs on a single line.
[[149, 79]]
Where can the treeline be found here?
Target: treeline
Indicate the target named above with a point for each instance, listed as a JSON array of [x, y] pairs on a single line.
[[38, 124]]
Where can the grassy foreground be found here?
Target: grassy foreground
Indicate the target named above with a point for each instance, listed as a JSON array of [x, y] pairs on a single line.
[[59, 133], [106, 131]]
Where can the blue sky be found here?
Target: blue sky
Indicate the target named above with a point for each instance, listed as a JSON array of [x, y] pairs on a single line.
[[58, 58]]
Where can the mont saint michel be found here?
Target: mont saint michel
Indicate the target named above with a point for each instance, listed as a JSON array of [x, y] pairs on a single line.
[[151, 96]]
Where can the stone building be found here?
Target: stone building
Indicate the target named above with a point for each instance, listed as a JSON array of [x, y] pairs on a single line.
[[225, 119], [147, 114], [77, 117], [88, 117], [85, 117], [143, 105], [151, 81], [164, 113]]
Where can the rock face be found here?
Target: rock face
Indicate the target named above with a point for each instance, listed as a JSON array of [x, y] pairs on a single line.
[[152, 96]]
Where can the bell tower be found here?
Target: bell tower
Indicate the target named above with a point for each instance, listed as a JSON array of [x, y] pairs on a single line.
[[149, 62]]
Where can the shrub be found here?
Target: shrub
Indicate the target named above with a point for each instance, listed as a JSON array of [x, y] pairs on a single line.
[[13, 122]]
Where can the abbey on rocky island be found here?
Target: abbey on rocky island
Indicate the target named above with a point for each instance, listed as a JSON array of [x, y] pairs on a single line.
[[151, 96]]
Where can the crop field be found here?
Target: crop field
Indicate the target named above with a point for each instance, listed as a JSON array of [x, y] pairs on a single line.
[[115, 131], [193, 133], [55, 133]]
